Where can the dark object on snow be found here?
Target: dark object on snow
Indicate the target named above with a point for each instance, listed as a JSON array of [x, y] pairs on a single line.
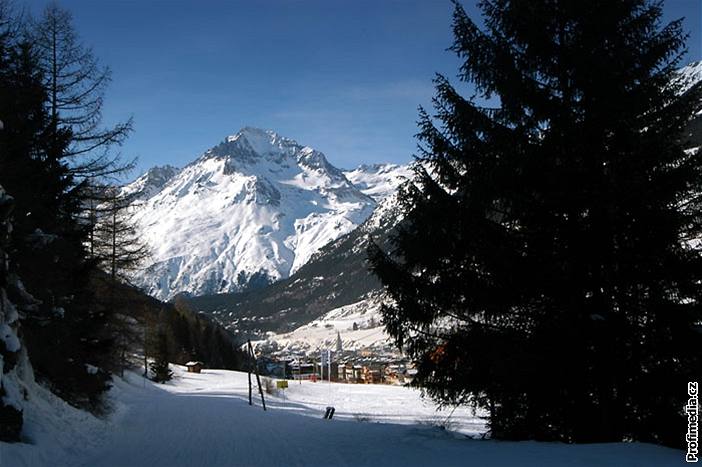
[[159, 367], [329, 413], [10, 423]]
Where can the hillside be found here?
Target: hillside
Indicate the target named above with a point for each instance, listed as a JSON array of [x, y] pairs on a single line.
[[190, 335], [358, 326]]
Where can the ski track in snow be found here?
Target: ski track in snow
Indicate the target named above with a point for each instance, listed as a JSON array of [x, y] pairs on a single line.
[[205, 420]]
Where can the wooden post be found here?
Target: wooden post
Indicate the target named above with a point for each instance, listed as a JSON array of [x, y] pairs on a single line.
[[249, 367], [146, 358], [258, 378]]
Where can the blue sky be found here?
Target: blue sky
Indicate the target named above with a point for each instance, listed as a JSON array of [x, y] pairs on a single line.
[[345, 77]]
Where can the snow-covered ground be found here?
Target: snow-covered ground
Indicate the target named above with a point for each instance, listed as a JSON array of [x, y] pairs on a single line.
[[205, 420]]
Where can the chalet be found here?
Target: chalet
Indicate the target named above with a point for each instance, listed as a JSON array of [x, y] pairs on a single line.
[[371, 375], [356, 373], [194, 367], [346, 372]]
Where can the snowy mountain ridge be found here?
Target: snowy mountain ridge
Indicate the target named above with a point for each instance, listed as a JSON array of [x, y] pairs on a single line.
[[249, 211], [379, 181], [151, 182], [688, 76]]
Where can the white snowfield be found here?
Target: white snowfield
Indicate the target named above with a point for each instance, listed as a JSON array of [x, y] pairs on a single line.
[[379, 181], [205, 420]]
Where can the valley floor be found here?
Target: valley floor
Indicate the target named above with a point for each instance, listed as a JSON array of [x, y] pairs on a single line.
[[205, 420]]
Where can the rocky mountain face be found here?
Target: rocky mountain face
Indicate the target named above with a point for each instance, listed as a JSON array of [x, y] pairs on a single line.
[[378, 181], [328, 294], [334, 277]]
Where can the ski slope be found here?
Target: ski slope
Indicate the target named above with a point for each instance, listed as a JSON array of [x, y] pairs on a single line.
[[205, 420]]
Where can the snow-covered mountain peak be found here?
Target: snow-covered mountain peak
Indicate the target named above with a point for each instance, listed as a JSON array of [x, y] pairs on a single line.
[[252, 209], [249, 145]]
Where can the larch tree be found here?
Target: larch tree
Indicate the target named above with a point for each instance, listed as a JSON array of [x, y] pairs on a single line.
[[75, 83], [116, 248], [114, 241]]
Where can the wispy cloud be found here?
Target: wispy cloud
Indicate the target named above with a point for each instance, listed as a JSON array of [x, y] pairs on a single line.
[[413, 89]]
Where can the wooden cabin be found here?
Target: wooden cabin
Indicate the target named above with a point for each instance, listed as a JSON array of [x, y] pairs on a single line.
[[194, 367]]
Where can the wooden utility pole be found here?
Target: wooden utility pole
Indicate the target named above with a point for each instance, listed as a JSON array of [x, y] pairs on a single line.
[[258, 378]]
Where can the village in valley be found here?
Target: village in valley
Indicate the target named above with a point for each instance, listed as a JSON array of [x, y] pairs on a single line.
[[366, 365]]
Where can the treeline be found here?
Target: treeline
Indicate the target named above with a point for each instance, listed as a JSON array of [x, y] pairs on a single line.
[[72, 244], [168, 331], [198, 337]]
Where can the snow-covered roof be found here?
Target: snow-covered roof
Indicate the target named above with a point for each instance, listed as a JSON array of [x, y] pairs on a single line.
[[194, 363]]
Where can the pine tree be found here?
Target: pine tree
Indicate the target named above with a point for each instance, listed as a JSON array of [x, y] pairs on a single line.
[[544, 270], [159, 367]]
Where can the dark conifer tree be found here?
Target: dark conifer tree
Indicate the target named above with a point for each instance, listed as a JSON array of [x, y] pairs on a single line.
[[545, 270], [159, 367]]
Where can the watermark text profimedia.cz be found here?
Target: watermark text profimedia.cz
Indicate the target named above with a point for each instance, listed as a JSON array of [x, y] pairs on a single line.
[[692, 410]]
